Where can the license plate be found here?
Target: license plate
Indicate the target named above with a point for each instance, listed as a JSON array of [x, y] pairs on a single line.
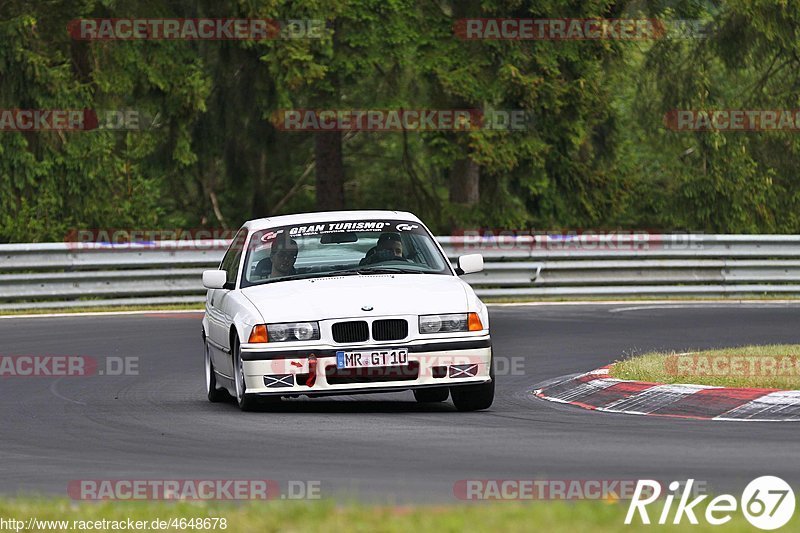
[[372, 358]]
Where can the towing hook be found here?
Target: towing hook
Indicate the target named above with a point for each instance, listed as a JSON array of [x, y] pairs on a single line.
[[312, 370]]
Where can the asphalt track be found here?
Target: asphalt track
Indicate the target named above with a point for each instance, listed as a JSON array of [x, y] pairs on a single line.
[[380, 448]]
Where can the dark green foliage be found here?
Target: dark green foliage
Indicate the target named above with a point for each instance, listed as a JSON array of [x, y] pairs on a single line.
[[596, 155]]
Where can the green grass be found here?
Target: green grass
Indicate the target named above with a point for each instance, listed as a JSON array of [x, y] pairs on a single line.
[[326, 516], [744, 366]]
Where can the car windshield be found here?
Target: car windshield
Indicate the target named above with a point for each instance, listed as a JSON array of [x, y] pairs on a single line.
[[347, 248]]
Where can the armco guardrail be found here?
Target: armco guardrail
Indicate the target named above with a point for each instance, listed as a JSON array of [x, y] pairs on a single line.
[[57, 275]]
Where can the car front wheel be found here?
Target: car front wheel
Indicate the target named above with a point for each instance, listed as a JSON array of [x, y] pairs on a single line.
[[474, 397], [247, 402], [215, 394]]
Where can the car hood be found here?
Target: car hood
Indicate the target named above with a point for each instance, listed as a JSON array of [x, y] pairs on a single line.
[[344, 297]]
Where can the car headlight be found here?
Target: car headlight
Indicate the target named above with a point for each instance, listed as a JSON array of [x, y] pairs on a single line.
[[293, 331], [450, 323]]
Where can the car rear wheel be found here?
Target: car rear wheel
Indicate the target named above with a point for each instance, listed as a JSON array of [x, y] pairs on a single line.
[[215, 394], [247, 402], [474, 397], [432, 395]]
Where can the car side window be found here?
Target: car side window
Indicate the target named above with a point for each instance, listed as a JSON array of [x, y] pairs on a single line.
[[230, 263]]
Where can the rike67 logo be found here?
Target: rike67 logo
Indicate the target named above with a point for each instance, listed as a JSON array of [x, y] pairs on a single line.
[[767, 503]]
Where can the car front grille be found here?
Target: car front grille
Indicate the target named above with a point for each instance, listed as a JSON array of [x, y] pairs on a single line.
[[389, 330], [357, 331]]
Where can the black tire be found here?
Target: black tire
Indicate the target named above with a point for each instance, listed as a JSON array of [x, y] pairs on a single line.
[[474, 397], [214, 393], [246, 402], [432, 395]]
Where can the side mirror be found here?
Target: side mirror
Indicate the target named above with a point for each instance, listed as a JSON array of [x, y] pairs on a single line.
[[214, 279], [469, 264]]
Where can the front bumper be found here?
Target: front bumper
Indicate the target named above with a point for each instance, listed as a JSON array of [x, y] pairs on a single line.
[[442, 363]]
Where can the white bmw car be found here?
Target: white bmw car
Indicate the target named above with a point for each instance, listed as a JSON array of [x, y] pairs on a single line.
[[344, 302]]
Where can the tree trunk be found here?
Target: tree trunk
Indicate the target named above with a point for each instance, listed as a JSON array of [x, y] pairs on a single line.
[[465, 177], [329, 170], [464, 173], [260, 207]]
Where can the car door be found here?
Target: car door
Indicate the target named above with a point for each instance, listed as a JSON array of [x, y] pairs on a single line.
[[219, 320]]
